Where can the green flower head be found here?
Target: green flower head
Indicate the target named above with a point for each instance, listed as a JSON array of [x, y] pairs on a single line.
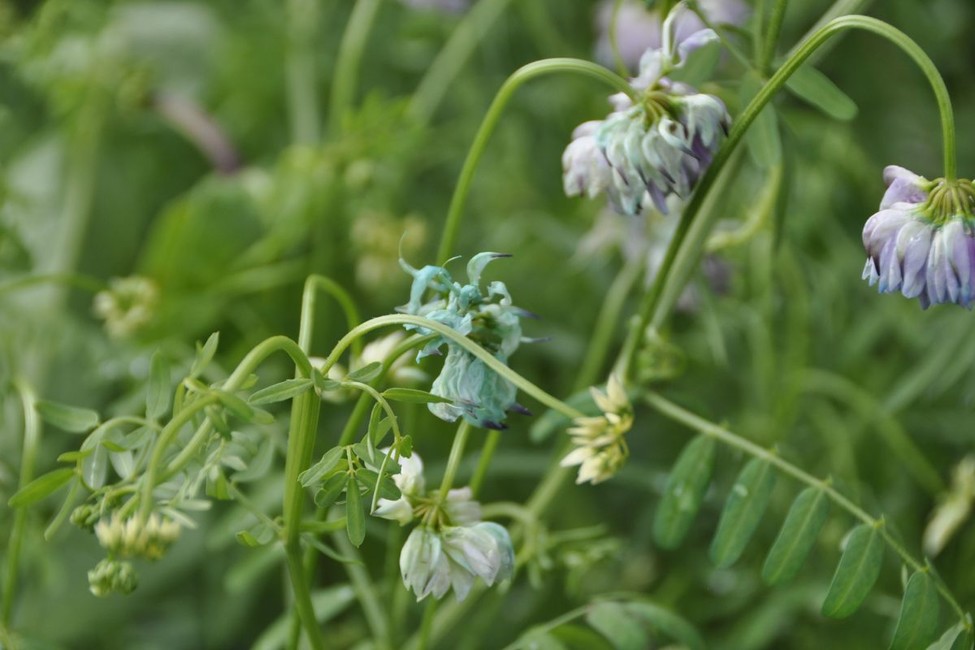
[[476, 393]]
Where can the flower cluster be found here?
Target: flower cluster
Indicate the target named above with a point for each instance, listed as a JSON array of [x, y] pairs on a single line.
[[133, 537], [112, 577], [922, 242], [658, 147], [600, 441], [127, 306], [452, 546], [476, 393]]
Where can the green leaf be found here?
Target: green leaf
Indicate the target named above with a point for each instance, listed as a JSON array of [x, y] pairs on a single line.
[[331, 489], [742, 511], [366, 373], [579, 637], [667, 623], [378, 426], [323, 383], [41, 487], [684, 492], [328, 462], [413, 396], [762, 137], [75, 456], [539, 640], [258, 535], [204, 354], [917, 625], [157, 392], [259, 465], [812, 86], [387, 488], [69, 418], [236, 405], [615, 623], [955, 638], [355, 515], [858, 569], [94, 468], [797, 536], [281, 391]]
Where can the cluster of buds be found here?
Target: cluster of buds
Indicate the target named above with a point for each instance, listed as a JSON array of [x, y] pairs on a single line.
[[112, 577], [476, 393], [127, 306], [132, 537], [655, 148], [922, 242], [600, 441], [452, 546]]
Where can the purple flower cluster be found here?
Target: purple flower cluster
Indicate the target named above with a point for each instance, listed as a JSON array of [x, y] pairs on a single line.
[[922, 242]]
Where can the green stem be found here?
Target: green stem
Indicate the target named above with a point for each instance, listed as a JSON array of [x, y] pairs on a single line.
[[493, 115], [79, 281], [771, 36], [453, 461], [28, 459], [426, 626], [614, 39], [487, 452], [306, 328], [764, 96], [678, 414], [450, 60], [300, 71], [347, 65], [458, 339]]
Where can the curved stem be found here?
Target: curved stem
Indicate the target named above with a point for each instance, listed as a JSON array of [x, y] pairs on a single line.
[[678, 414], [28, 458], [764, 96], [771, 36], [455, 53], [459, 339], [347, 65], [313, 284], [614, 39], [517, 78]]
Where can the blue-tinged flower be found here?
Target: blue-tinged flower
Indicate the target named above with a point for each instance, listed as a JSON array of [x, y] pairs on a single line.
[[922, 242], [654, 149], [476, 393]]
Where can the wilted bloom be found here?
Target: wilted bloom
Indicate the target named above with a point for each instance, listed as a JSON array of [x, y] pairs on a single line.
[[659, 147], [953, 509], [127, 306], [476, 393], [922, 242], [112, 576], [131, 537], [639, 28], [434, 561], [600, 441]]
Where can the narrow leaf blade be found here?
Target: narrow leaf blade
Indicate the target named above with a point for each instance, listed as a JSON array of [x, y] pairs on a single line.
[[762, 137], [41, 487], [355, 516], [667, 623], [815, 88], [615, 623], [684, 492], [797, 537], [856, 573], [281, 391], [69, 418], [917, 625], [157, 392], [742, 511]]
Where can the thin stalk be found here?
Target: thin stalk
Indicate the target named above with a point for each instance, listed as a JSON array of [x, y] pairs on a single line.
[[347, 65], [764, 96], [487, 452], [426, 626], [685, 417], [493, 115], [28, 459], [453, 460], [450, 60], [306, 328], [300, 74], [76, 280], [614, 39]]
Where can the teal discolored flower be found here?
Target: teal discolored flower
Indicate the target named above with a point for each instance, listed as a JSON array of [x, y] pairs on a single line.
[[476, 393]]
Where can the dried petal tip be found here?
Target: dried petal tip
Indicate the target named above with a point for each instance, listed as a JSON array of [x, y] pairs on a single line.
[[922, 242]]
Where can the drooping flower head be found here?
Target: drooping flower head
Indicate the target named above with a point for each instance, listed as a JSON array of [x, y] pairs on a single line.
[[922, 242], [655, 148], [476, 393]]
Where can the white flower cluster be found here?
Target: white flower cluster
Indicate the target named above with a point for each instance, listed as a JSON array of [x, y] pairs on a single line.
[[600, 441], [132, 537]]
